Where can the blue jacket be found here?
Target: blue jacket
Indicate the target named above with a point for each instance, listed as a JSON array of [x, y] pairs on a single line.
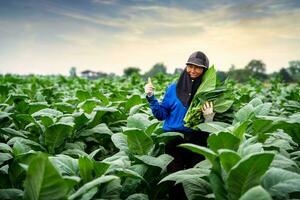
[[171, 110]]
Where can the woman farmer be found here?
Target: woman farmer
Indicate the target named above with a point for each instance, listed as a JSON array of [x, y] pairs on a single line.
[[173, 108]]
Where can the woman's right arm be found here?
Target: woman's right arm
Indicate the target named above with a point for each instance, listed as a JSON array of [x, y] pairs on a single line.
[[160, 111]]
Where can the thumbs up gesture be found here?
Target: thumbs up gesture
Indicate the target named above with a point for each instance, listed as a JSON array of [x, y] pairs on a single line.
[[149, 88]]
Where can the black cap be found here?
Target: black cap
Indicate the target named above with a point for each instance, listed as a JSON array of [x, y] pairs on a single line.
[[199, 59]]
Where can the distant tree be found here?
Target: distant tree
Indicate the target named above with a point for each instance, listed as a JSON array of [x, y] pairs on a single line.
[[256, 66], [221, 75], [232, 67], [156, 69], [257, 69], [294, 69], [240, 75], [72, 72], [285, 75], [178, 71], [131, 70]]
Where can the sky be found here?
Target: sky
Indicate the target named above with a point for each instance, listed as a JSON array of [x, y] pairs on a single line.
[[51, 36]]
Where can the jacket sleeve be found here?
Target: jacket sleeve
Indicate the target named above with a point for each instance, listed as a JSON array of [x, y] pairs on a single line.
[[160, 110]]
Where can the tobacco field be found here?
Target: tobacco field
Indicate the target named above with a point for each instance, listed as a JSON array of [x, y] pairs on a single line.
[[73, 138]]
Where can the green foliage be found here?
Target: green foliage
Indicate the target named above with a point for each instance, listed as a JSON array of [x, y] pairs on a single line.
[[73, 138]]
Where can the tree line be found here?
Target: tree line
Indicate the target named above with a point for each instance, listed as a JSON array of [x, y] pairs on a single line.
[[254, 69]]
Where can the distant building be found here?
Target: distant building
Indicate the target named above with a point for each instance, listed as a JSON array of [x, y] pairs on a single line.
[[92, 74]]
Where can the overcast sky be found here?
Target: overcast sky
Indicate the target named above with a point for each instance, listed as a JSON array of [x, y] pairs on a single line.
[[50, 36]]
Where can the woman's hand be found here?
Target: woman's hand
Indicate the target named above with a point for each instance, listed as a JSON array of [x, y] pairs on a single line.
[[208, 111], [149, 88]]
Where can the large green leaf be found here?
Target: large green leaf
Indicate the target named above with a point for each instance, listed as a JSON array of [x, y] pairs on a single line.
[[244, 113], [257, 193], [97, 114], [137, 196], [161, 161], [196, 188], [97, 130], [184, 175], [247, 173], [120, 141], [209, 154], [223, 140], [92, 184], [65, 165], [222, 105], [43, 181], [280, 183], [228, 158], [86, 167], [208, 81], [47, 112], [56, 134], [138, 141], [139, 121], [213, 127], [11, 194], [269, 124]]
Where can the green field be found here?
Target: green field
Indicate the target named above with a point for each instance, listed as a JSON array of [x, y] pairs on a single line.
[[72, 138]]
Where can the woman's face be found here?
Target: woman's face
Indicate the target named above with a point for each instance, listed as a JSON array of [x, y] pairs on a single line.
[[194, 71]]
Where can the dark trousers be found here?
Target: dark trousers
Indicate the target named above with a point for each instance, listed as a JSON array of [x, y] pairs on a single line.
[[183, 158]]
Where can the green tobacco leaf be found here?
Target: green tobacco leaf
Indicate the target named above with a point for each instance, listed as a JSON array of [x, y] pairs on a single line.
[[138, 142], [239, 129], [269, 124], [280, 183], [139, 121], [90, 185], [208, 81], [221, 105], [138, 196], [34, 145], [5, 157], [43, 181], [65, 107], [36, 106], [120, 141], [56, 134], [12, 132], [100, 129], [213, 127], [132, 101], [257, 193], [247, 173], [244, 113], [11, 194], [209, 154], [280, 161], [167, 136], [89, 105], [256, 102], [5, 148], [80, 120], [82, 94], [217, 182], [97, 114], [228, 158], [65, 165], [86, 167], [223, 140], [184, 175], [47, 112], [263, 109], [196, 188], [161, 161]]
